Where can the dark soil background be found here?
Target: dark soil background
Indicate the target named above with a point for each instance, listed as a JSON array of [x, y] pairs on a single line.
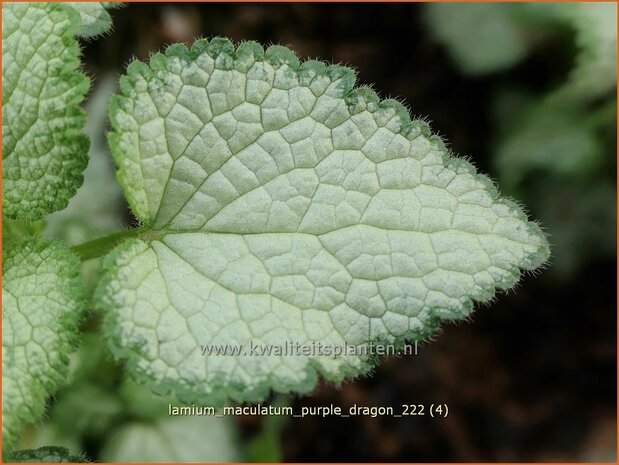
[[533, 376]]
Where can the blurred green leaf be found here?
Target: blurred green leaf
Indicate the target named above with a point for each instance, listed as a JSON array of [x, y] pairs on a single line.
[[173, 439], [488, 37], [86, 409], [141, 403], [551, 138], [43, 434], [481, 37], [595, 71], [580, 219], [93, 363]]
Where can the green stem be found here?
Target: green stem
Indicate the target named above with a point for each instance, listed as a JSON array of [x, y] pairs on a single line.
[[101, 246]]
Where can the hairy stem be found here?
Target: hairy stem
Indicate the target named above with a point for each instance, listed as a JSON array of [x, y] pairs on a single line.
[[101, 246]]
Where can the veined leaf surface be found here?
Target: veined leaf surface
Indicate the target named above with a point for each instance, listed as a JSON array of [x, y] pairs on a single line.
[[287, 207], [43, 149], [42, 303]]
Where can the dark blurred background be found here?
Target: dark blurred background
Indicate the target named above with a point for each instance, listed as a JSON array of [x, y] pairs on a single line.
[[533, 376]]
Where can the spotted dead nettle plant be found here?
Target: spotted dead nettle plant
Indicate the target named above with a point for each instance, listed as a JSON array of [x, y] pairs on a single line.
[[279, 204]]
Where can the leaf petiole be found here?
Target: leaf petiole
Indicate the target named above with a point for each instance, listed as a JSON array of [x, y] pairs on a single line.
[[102, 245]]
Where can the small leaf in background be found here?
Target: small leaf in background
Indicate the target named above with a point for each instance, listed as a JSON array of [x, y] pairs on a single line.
[[578, 213], [87, 409], [595, 72], [548, 138], [43, 434], [173, 440], [481, 37], [141, 403]]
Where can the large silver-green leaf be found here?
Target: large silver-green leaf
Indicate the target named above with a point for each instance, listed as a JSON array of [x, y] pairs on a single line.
[[286, 207], [42, 302], [43, 149]]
